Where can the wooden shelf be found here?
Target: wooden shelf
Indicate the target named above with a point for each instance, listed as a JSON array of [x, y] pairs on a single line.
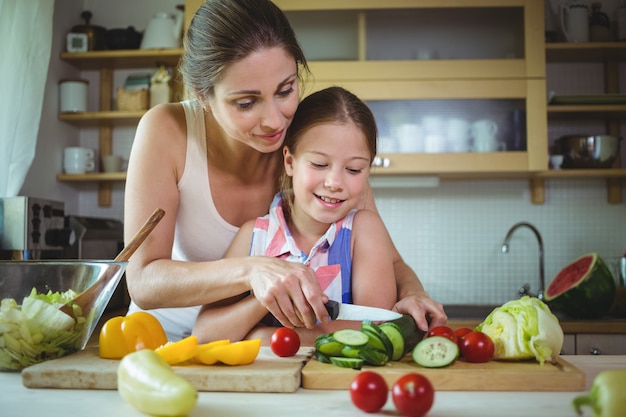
[[101, 118], [93, 177], [123, 59], [586, 52], [290, 5]]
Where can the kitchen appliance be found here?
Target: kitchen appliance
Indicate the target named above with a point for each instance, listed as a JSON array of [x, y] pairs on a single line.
[[31, 227], [163, 31], [96, 35]]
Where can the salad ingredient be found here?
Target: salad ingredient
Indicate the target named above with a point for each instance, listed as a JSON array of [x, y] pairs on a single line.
[[369, 391], [413, 395], [584, 289], [180, 351], [460, 334], [477, 347], [444, 331], [285, 342], [121, 335], [238, 353], [147, 382], [523, 329], [37, 330], [435, 352], [607, 397]]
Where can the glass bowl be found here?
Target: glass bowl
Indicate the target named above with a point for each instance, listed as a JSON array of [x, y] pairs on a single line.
[[25, 335]]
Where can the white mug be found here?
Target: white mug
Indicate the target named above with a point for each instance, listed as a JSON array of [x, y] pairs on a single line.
[[458, 135], [410, 138], [575, 22], [484, 133], [77, 160]]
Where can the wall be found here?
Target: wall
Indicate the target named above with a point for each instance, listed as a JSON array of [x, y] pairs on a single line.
[[451, 235]]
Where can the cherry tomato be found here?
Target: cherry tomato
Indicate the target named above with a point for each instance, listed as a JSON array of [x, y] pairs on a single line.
[[369, 391], [460, 334], [477, 347], [413, 395], [285, 342], [444, 331]]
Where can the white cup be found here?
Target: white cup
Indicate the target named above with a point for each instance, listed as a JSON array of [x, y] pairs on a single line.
[[575, 22], [73, 95], [458, 135], [410, 138], [77, 160], [111, 163], [484, 133], [556, 161]]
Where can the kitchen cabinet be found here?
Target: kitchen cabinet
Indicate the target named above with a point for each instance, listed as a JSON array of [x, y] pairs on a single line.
[[379, 69], [594, 344], [610, 54]]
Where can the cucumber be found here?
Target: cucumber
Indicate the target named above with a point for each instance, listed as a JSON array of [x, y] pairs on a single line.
[[410, 333], [393, 333], [350, 337], [435, 352], [373, 357], [327, 345], [377, 340], [352, 363], [350, 352], [321, 357]]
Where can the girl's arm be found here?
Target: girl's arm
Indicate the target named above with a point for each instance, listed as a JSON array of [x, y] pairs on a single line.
[[412, 298]]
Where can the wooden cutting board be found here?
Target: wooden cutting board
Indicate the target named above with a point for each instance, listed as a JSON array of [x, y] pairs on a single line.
[[86, 370], [460, 376]]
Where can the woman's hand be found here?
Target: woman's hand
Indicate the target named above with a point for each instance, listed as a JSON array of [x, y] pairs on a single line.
[[289, 291], [423, 309]]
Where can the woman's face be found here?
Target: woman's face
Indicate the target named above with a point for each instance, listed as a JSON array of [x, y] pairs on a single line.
[[330, 169], [255, 101]]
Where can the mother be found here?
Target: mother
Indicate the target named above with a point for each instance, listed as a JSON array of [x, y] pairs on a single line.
[[213, 162]]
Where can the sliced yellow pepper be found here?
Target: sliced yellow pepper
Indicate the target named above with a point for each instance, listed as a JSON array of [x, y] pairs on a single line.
[[238, 353], [121, 335], [178, 352]]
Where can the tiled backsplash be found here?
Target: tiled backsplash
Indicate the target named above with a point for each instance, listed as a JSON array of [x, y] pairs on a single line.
[[452, 235]]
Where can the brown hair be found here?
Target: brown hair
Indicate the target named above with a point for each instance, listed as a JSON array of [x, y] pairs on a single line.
[[223, 32], [331, 105]]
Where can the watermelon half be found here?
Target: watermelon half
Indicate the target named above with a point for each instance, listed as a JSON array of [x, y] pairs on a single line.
[[584, 289]]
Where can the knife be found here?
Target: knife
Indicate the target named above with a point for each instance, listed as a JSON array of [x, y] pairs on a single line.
[[341, 311]]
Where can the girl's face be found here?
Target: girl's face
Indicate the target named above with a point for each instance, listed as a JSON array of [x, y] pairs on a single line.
[[255, 101], [330, 168]]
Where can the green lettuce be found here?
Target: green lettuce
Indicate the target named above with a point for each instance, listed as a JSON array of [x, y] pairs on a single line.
[[37, 330], [524, 329]]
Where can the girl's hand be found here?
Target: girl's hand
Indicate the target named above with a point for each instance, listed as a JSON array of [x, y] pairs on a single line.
[[289, 291], [423, 309]]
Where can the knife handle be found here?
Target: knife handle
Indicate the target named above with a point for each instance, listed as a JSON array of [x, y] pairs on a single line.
[[332, 307]]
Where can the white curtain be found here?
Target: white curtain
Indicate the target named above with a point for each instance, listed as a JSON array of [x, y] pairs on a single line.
[[25, 44]]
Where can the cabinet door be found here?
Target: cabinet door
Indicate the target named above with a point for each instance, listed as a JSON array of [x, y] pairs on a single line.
[[600, 344], [569, 345]]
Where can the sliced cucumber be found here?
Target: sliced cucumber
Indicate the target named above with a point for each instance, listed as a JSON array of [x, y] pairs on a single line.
[[350, 352], [328, 345], [373, 356], [408, 328], [350, 337], [392, 331], [353, 363], [435, 352], [375, 340], [321, 357]]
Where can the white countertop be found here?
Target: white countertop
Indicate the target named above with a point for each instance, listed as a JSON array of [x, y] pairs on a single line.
[[16, 400]]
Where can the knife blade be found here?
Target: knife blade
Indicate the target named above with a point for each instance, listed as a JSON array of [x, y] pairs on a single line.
[[342, 311]]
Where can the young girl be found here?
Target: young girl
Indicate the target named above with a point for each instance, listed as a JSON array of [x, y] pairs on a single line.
[[314, 220]]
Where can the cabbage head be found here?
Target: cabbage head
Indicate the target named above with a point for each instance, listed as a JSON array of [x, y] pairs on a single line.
[[524, 329]]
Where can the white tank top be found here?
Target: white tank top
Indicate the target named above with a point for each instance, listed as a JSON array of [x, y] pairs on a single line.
[[201, 233]]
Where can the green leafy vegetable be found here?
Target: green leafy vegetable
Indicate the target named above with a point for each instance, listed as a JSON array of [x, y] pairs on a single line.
[[524, 329], [37, 330]]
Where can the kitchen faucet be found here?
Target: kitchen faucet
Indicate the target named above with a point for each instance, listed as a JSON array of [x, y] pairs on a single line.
[[525, 290]]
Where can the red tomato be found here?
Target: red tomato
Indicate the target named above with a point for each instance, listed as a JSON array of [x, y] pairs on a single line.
[[369, 391], [460, 334], [444, 331], [477, 347], [413, 395], [285, 342]]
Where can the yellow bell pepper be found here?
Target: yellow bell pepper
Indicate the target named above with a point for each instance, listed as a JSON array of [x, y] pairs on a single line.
[[238, 353], [121, 335], [178, 352]]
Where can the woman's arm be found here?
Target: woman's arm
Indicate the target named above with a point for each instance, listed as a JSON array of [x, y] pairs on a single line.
[[412, 298], [154, 280]]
